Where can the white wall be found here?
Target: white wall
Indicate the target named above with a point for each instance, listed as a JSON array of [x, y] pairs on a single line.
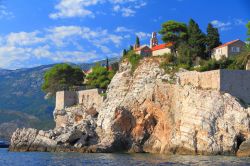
[[161, 52]]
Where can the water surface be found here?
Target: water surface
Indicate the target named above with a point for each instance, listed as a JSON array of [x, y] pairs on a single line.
[[79, 159]]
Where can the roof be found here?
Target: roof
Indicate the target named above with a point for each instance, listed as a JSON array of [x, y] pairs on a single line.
[[87, 71], [140, 48], [162, 46], [228, 43]]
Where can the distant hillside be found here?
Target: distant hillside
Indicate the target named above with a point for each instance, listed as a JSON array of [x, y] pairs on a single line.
[[20, 92], [87, 66]]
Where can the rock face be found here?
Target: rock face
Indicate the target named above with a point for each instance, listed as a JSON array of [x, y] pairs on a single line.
[[148, 111], [75, 130]]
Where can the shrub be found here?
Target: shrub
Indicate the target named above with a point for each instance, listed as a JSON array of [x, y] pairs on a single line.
[[133, 59], [237, 62]]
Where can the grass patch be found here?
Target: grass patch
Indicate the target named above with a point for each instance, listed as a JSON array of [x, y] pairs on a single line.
[[133, 59]]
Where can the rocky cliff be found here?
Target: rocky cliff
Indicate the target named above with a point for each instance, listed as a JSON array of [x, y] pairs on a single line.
[[148, 111]]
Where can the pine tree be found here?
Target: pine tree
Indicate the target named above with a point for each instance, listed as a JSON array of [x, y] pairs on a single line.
[[213, 38], [196, 39], [175, 32], [131, 48]]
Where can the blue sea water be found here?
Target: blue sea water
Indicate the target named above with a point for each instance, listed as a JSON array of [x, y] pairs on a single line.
[[79, 159]]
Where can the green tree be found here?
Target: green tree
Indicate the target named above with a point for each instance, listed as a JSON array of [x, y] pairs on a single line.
[[175, 32], [185, 55], [138, 43], [248, 34], [100, 77], [248, 31], [213, 38], [131, 48], [62, 77], [107, 63], [124, 52], [196, 39]]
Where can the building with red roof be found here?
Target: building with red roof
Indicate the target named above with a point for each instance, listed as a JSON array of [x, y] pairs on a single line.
[[228, 49], [154, 49]]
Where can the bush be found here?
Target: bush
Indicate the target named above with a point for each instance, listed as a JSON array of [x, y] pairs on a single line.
[[62, 77], [133, 59], [237, 62], [100, 77]]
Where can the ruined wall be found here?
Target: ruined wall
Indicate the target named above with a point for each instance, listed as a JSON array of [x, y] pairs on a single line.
[[90, 98], [87, 98], [65, 99], [234, 82]]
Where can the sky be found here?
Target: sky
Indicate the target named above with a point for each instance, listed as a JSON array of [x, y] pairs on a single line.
[[39, 32]]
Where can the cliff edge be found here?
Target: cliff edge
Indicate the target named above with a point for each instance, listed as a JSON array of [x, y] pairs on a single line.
[[148, 111]]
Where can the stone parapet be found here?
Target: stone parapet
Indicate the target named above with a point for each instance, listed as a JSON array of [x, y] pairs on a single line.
[[234, 82], [87, 98]]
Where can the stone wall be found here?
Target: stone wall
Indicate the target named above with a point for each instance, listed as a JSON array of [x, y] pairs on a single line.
[[87, 98], [204, 80], [65, 99], [234, 82], [90, 98]]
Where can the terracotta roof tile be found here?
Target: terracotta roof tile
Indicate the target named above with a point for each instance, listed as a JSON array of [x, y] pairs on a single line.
[[228, 43], [162, 46]]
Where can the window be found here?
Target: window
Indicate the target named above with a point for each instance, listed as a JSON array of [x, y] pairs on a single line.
[[235, 49], [238, 49]]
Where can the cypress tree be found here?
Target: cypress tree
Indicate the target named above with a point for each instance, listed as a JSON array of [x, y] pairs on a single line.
[[131, 48], [138, 44], [124, 52], [107, 64], [248, 34], [213, 38], [196, 39]]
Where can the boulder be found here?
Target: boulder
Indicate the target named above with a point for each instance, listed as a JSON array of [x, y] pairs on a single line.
[[244, 149]]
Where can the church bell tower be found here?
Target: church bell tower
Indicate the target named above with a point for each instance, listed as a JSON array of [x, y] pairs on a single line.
[[153, 40]]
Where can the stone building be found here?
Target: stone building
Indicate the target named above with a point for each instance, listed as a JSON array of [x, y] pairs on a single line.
[[154, 49], [143, 51], [162, 49], [228, 49]]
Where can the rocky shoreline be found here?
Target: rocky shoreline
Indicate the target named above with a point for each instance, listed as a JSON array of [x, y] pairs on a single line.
[[147, 111]]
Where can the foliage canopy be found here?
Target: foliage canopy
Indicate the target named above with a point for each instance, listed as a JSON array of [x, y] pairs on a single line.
[[100, 77], [173, 31], [62, 77]]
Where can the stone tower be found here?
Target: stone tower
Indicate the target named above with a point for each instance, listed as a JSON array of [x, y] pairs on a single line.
[[153, 40]]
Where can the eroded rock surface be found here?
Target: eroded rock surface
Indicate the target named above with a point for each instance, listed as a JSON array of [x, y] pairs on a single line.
[[148, 111]]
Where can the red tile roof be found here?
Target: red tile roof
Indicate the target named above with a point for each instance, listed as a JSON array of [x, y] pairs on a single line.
[[228, 43], [140, 48], [162, 46]]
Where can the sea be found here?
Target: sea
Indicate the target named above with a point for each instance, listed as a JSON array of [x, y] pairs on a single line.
[[116, 159]]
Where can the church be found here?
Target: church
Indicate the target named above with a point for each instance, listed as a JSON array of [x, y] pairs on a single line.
[[154, 49]]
